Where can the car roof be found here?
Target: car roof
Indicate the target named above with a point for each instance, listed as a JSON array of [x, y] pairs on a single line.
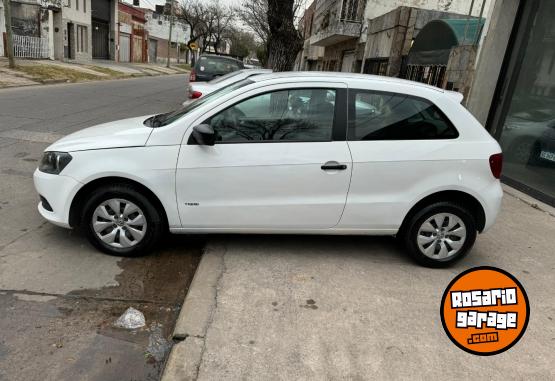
[[340, 76], [219, 56], [256, 71]]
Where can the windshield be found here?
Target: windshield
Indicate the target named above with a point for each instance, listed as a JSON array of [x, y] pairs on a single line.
[[224, 77], [161, 120]]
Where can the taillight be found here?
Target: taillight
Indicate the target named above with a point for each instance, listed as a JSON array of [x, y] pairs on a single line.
[[496, 164], [195, 94], [192, 76]]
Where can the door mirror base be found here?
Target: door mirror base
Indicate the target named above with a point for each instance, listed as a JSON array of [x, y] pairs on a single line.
[[203, 135]]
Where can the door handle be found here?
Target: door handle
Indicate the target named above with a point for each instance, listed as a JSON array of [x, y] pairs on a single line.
[[333, 166]]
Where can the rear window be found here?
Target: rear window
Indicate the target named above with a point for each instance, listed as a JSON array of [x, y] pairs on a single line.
[[217, 65], [224, 77], [390, 116]]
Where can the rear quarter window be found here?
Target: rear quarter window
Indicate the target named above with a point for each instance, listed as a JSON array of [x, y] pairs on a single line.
[[391, 116]]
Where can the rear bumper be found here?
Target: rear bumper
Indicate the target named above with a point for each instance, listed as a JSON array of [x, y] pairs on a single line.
[[492, 197], [58, 191]]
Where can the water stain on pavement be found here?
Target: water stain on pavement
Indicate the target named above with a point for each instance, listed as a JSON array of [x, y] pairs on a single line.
[[73, 336]]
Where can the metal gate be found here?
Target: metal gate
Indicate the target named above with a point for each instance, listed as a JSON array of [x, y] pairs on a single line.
[[100, 37], [30, 47], [152, 50], [124, 47]]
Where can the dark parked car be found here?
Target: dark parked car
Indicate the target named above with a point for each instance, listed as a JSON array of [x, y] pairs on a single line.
[[210, 66]]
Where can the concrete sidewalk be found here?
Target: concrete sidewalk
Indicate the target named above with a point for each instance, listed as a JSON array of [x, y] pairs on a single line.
[[36, 72], [288, 308]]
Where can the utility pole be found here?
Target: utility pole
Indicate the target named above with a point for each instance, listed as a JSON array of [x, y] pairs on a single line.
[[170, 37], [9, 34]]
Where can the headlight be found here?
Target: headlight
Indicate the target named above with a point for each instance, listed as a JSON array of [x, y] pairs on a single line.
[[54, 162]]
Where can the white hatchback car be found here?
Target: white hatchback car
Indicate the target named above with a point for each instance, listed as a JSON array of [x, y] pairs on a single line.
[[300, 153]]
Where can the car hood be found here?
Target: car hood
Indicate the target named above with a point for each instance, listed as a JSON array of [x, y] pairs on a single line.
[[122, 133]]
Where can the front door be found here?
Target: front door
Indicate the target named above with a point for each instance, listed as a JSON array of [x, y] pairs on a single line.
[[275, 165], [124, 47], [100, 36], [70, 41]]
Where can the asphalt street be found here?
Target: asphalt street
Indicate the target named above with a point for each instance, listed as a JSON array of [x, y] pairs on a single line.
[[58, 296]]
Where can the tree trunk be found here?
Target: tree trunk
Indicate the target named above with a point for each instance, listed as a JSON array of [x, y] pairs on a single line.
[[284, 41], [9, 33]]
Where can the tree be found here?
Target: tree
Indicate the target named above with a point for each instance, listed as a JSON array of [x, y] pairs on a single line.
[[193, 14], [254, 14], [284, 39], [242, 43], [222, 22], [9, 33], [273, 21], [209, 23]]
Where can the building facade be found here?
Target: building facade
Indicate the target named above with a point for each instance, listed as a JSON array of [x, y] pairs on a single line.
[[311, 56], [158, 28], [132, 34], [343, 26], [63, 29]]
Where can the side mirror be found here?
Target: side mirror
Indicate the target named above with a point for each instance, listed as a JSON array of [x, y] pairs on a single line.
[[203, 135]]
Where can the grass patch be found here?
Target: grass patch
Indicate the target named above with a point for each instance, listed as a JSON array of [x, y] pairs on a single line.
[[183, 66], [104, 70], [51, 72]]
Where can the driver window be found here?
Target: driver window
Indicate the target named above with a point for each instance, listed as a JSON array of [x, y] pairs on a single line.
[[298, 115]]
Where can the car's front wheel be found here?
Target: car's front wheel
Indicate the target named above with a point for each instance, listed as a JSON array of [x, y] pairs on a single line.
[[440, 234], [119, 220]]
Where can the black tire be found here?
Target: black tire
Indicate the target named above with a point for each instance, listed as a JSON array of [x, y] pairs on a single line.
[[410, 231], [155, 225]]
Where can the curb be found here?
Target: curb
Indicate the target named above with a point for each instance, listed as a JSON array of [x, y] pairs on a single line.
[[534, 203], [195, 316], [184, 360]]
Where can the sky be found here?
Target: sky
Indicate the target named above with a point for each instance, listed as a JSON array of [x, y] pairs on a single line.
[[151, 3]]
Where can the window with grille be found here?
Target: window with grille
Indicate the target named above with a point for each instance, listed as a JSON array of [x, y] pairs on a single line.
[[349, 10]]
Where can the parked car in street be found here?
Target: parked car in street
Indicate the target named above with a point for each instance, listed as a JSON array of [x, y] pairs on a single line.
[[522, 134], [198, 89], [210, 66], [320, 153], [543, 152]]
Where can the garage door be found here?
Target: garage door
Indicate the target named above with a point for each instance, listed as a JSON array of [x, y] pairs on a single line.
[[124, 47], [137, 49]]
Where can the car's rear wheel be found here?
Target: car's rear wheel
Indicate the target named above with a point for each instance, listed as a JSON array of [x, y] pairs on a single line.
[[119, 220], [440, 234]]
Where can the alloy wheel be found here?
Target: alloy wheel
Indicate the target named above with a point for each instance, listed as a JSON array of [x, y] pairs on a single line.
[[119, 223], [441, 236]]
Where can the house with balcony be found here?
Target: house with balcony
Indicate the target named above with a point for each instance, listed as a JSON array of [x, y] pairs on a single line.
[[358, 35], [337, 27]]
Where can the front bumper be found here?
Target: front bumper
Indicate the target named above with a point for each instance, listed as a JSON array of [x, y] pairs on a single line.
[[59, 191]]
